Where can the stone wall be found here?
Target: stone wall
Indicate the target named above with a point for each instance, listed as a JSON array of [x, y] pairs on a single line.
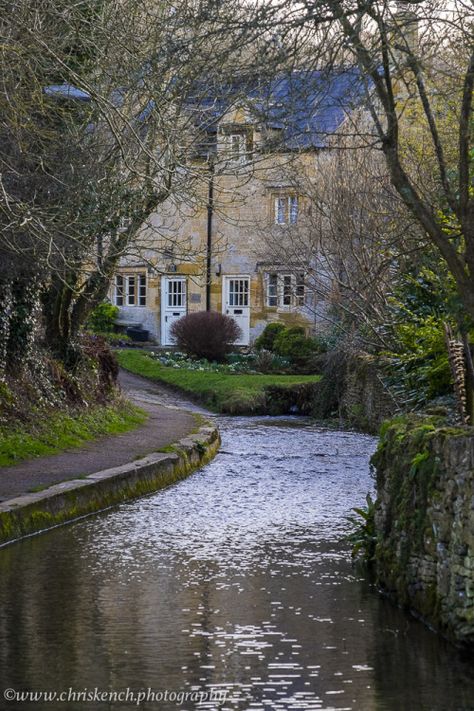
[[424, 519], [352, 389], [365, 402]]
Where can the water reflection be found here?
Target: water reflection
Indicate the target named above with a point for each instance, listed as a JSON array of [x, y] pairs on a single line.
[[235, 579]]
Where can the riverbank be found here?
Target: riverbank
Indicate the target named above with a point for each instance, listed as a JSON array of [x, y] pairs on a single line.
[[60, 431], [46, 491], [234, 394]]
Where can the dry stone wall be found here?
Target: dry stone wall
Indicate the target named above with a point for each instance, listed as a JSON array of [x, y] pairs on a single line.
[[424, 522]]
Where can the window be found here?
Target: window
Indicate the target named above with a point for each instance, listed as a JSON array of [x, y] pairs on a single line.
[[236, 148], [285, 290], [239, 146], [300, 290], [238, 292], [176, 293], [272, 290], [118, 290], [130, 290], [286, 209]]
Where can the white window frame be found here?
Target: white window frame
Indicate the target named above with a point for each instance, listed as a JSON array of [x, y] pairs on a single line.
[[176, 292], [238, 292], [131, 289], [286, 209], [284, 290]]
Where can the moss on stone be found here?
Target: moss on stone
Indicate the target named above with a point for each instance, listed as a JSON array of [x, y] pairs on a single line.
[[101, 494], [415, 473]]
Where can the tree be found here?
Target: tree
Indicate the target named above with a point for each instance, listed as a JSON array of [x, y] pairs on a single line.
[[353, 237], [416, 67], [104, 105]]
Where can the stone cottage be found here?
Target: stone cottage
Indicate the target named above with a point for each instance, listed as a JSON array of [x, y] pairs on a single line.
[[211, 249]]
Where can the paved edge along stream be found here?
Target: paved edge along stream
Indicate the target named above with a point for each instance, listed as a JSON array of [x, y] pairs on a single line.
[[73, 499]]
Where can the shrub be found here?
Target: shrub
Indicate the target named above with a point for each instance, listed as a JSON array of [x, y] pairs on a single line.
[[294, 344], [102, 318], [205, 334], [363, 536], [268, 362], [114, 339], [419, 371], [98, 350], [267, 339]]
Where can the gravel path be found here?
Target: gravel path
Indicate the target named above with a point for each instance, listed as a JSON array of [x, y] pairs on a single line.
[[170, 418]]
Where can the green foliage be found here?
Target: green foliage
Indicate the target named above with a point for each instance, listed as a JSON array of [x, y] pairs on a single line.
[[6, 396], [292, 343], [114, 339], [221, 391], [363, 536], [251, 363], [60, 431], [102, 318], [418, 368], [266, 340], [268, 362]]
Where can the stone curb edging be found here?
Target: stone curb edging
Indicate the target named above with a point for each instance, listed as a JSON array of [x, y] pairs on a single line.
[[72, 499]]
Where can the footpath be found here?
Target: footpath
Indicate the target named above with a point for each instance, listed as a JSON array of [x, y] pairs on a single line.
[[45, 491]]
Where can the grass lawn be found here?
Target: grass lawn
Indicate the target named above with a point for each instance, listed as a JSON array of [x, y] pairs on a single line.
[[223, 392], [59, 431]]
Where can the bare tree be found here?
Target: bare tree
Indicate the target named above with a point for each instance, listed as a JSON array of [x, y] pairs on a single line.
[[353, 236], [105, 106]]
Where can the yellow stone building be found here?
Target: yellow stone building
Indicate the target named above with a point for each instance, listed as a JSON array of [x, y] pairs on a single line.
[[212, 250]]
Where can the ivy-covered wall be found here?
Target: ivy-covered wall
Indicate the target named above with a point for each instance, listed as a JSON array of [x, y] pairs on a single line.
[[424, 521], [364, 402], [352, 388]]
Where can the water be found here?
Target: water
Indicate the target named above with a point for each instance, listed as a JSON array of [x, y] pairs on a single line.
[[235, 579]]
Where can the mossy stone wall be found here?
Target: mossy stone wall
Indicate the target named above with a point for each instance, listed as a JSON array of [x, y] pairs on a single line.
[[365, 402], [352, 389], [424, 519]]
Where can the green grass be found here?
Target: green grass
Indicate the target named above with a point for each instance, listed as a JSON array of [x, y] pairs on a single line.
[[60, 431], [223, 392]]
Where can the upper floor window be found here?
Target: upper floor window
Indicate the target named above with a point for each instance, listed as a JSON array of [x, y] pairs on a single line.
[[238, 145], [130, 289], [286, 209]]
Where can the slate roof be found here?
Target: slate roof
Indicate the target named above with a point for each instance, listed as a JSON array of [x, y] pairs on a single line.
[[66, 91], [311, 106], [306, 106]]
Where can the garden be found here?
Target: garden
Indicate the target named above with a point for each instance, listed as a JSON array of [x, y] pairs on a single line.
[[277, 376]]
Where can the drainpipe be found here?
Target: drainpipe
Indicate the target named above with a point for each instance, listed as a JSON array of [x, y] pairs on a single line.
[[210, 211]]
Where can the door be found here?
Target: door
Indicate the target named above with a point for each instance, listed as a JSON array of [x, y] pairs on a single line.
[[173, 305], [236, 303]]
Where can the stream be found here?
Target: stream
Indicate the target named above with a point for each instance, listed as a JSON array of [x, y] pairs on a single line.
[[235, 584]]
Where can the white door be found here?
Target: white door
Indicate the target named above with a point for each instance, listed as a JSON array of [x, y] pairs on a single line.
[[236, 303], [173, 305]]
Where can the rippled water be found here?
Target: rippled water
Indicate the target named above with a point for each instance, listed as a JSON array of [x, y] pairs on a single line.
[[235, 579]]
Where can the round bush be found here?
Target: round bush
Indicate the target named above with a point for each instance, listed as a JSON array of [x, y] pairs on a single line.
[[292, 343], [206, 334], [267, 339]]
